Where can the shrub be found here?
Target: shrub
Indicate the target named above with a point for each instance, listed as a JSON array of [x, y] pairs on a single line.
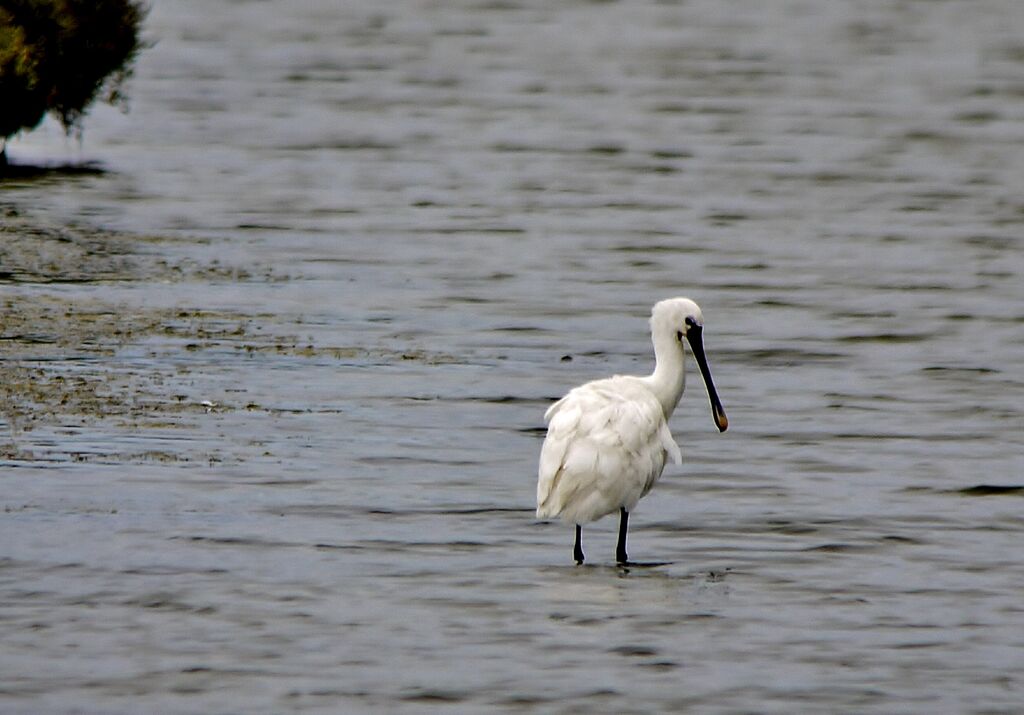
[[57, 56]]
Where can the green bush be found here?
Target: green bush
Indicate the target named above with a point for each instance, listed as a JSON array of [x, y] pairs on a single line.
[[58, 56]]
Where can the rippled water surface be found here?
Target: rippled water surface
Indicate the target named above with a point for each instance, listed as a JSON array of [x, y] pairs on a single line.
[[383, 236]]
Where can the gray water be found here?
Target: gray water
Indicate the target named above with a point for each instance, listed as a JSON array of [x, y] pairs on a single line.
[[420, 209]]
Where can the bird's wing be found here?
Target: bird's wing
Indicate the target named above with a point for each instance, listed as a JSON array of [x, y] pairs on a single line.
[[605, 447], [563, 422]]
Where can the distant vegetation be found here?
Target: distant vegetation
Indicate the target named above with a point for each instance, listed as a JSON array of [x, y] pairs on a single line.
[[58, 56]]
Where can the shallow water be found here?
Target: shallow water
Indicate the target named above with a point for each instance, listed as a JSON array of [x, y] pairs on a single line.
[[371, 236]]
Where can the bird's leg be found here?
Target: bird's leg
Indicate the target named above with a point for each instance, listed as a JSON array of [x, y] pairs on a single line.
[[577, 550], [620, 549]]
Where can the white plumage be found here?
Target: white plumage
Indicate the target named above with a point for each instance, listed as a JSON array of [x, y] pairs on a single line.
[[608, 440], [606, 447]]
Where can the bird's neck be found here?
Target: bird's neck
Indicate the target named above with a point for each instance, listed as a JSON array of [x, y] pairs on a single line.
[[669, 376]]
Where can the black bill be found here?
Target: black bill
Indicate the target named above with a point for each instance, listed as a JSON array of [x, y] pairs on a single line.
[[696, 337]]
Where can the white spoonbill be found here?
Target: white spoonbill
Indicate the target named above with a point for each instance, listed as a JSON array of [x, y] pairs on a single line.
[[608, 440]]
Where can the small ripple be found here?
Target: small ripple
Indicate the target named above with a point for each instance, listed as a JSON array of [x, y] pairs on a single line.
[[947, 371], [887, 338], [507, 400], [399, 459], [433, 695], [996, 243], [633, 650], [839, 547], [525, 701], [163, 570], [989, 490], [237, 541], [660, 665], [333, 511], [781, 357]]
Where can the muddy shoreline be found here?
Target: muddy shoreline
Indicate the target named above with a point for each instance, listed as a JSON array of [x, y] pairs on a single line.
[[80, 351]]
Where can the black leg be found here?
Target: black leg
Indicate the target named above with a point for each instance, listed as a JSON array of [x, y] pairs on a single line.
[[620, 549], [577, 550]]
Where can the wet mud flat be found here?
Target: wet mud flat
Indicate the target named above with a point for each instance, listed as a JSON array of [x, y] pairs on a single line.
[[108, 337], [68, 321]]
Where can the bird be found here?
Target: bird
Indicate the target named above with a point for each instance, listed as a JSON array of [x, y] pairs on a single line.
[[607, 440]]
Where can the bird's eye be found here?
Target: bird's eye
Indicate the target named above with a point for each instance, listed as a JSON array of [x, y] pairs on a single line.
[[689, 322]]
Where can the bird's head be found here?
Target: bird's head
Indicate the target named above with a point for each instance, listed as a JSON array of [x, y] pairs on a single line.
[[676, 316]]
